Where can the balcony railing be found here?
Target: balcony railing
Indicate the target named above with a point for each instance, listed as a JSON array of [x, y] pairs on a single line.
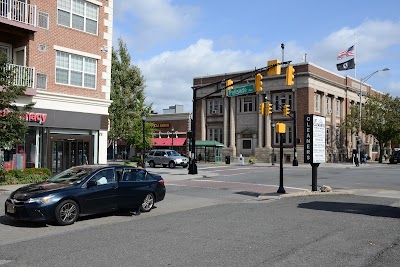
[[23, 76], [18, 11]]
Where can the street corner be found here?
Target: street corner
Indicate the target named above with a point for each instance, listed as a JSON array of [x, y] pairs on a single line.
[[316, 193]]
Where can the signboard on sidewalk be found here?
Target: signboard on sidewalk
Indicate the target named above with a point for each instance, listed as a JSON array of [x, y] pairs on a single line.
[[314, 139], [243, 90]]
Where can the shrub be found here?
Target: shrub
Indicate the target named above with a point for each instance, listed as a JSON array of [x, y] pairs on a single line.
[[26, 176], [252, 160]]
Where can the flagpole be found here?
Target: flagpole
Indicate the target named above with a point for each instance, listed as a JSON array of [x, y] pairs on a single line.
[[355, 55]]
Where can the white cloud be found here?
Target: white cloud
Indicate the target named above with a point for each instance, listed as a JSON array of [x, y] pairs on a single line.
[[155, 21], [169, 75]]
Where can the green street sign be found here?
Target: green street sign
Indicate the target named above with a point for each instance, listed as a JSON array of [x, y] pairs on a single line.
[[243, 90]]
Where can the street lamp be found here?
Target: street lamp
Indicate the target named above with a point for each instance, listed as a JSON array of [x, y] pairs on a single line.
[[273, 141], [172, 130], [144, 135], [363, 80]]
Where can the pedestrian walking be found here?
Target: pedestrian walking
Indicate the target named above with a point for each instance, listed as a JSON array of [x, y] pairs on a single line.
[[139, 165]]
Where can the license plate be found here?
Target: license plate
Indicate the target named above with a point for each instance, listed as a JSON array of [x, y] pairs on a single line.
[[10, 208]]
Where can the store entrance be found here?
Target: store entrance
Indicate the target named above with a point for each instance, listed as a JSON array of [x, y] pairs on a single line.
[[66, 151]]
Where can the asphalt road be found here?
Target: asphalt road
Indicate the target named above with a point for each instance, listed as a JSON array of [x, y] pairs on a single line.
[[221, 226]]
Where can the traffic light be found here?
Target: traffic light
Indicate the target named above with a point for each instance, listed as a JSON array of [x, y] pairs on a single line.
[[262, 108], [259, 83], [275, 70], [269, 109], [289, 75], [286, 110], [229, 86]]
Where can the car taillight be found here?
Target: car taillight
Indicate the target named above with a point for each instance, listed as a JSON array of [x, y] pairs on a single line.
[[161, 182]]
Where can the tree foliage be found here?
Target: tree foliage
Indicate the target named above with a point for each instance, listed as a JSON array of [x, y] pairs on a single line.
[[128, 100], [12, 125], [381, 118]]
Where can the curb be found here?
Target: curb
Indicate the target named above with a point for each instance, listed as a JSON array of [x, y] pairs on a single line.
[[307, 193]]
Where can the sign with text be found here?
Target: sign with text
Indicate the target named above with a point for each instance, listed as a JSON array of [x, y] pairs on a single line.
[[244, 90], [314, 139]]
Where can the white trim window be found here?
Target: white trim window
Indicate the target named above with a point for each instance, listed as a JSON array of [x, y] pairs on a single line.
[[215, 134], [283, 99], [317, 101], [78, 14], [338, 107], [247, 104], [287, 137], [75, 70], [214, 106]]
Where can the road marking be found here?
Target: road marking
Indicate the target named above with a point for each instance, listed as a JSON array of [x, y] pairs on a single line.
[[4, 261]]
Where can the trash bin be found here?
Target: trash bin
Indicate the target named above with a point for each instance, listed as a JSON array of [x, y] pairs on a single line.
[[241, 160], [227, 159]]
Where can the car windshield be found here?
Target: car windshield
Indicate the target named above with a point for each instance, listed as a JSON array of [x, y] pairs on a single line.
[[173, 153], [73, 175]]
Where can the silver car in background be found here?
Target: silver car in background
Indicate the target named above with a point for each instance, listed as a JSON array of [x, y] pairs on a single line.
[[166, 157]]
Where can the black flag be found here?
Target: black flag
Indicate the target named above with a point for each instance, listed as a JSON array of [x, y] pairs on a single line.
[[347, 65]]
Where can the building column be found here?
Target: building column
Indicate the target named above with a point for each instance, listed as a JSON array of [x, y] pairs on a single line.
[[260, 124], [267, 127], [226, 119], [203, 117], [323, 104]]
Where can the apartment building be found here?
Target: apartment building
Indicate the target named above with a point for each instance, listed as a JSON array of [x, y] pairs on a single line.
[[61, 52], [235, 120]]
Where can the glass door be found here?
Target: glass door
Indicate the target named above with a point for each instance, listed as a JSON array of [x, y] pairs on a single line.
[[68, 152]]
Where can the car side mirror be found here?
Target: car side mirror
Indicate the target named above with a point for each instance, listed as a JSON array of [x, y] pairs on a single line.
[[91, 183]]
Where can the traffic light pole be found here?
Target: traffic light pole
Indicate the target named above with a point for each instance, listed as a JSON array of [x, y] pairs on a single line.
[[192, 159], [295, 161]]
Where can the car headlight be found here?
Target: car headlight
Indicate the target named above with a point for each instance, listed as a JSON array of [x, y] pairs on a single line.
[[40, 200]]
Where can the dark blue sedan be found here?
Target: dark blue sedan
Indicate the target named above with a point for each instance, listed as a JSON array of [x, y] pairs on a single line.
[[85, 190]]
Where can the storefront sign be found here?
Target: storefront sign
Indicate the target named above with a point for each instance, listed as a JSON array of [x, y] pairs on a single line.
[[314, 139], [161, 125], [29, 116]]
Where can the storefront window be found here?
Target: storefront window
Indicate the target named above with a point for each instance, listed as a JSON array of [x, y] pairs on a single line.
[[31, 148]]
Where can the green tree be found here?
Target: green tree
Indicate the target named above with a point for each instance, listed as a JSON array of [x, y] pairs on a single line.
[[12, 125], [381, 118], [128, 100]]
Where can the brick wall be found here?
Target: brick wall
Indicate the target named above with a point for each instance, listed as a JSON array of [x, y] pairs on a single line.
[[44, 62]]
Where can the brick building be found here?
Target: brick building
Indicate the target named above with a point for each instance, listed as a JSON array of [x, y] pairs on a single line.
[[171, 131], [236, 122], [61, 51]]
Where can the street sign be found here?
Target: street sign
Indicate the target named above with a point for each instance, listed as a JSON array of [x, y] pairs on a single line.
[[243, 90]]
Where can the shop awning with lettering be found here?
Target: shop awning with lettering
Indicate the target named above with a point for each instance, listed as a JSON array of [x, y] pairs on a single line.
[[168, 141]]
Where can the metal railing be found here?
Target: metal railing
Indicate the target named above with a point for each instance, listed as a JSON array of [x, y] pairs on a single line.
[[18, 11], [22, 76]]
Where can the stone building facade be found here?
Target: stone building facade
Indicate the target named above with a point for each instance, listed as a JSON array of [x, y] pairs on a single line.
[[237, 123]]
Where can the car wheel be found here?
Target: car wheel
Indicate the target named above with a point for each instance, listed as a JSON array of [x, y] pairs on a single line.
[[171, 164], [67, 212], [152, 164], [148, 203], [164, 165]]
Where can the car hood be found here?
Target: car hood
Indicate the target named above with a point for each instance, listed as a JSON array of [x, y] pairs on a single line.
[[34, 190]]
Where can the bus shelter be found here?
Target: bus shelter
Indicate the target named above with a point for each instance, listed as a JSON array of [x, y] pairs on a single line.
[[209, 151]]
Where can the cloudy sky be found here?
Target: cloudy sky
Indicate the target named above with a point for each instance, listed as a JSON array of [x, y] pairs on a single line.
[[172, 41]]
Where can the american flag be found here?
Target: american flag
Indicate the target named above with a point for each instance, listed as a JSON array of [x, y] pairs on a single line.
[[346, 53]]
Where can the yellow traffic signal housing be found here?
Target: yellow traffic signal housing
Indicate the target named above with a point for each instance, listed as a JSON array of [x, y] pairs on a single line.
[[259, 83], [289, 75], [275, 70], [262, 108], [286, 110], [269, 109], [228, 86], [280, 128]]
